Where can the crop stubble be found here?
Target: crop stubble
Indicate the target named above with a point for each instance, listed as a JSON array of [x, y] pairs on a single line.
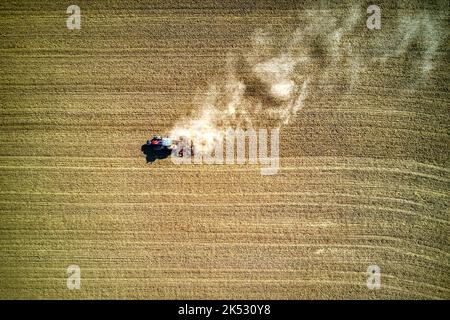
[[363, 178]]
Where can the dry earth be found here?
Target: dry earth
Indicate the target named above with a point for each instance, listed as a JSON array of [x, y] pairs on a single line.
[[364, 175]]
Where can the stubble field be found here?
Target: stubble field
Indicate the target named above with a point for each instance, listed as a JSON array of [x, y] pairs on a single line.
[[364, 164]]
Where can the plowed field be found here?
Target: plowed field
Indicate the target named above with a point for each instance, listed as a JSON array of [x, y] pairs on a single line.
[[364, 162]]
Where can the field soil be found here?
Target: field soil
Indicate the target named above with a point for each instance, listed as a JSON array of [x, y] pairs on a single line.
[[364, 164]]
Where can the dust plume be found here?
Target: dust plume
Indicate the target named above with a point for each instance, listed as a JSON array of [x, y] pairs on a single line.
[[263, 88]]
